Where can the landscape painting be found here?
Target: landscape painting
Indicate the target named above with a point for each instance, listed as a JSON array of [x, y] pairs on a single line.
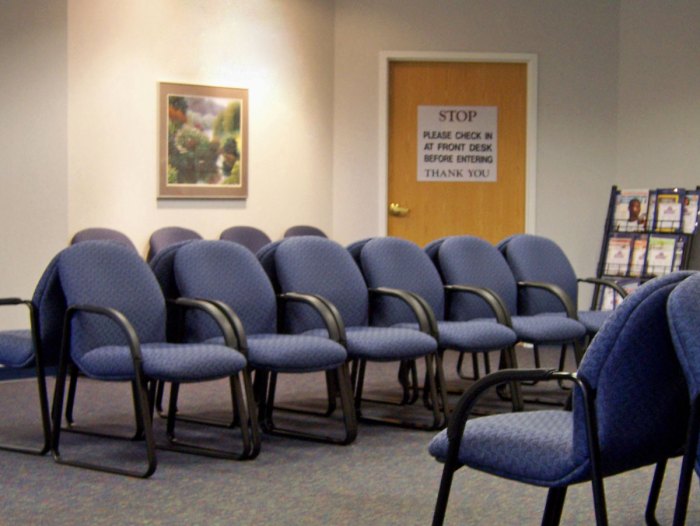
[[203, 142]]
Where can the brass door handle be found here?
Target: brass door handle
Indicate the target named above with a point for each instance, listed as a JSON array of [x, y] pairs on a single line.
[[395, 209]]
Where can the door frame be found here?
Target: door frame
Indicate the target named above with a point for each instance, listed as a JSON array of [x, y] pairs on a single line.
[[529, 59]]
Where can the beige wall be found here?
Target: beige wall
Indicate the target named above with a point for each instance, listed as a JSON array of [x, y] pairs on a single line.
[[118, 52], [659, 94], [33, 146]]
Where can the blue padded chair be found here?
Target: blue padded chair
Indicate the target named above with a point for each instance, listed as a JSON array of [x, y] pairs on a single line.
[[38, 346], [114, 330], [232, 278], [323, 268], [684, 321], [469, 260], [304, 230], [250, 237], [104, 234], [401, 264], [629, 410], [538, 259], [166, 236]]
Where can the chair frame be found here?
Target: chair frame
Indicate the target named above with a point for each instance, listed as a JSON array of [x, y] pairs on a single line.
[[144, 389], [40, 372], [266, 381]]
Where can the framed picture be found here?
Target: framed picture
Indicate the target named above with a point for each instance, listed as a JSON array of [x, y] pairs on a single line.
[[203, 142]]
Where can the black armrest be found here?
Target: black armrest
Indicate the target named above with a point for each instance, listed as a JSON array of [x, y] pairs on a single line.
[[605, 283], [117, 317], [558, 292], [12, 301], [228, 321], [492, 299], [460, 414], [325, 309], [422, 311]]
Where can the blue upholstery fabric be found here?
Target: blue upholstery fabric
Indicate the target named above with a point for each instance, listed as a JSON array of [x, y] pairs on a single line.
[[102, 234], [164, 237], [250, 237], [400, 264], [50, 304], [536, 258], [16, 348], [304, 230], [640, 405], [228, 272], [164, 361], [474, 335], [468, 260], [386, 344], [314, 265], [684, 321], [224, 271], [293, 353], [512, 445], [105, 274]]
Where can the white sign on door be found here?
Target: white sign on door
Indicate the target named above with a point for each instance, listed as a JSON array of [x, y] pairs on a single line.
[[458, 144]]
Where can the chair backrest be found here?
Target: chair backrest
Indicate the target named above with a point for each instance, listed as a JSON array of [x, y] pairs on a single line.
[[228, 272], [250, 237], [684, 321], [104, 234], [50, 304], [400, 264], [162, 265], [536, 258], [167, 236], [469, 260], [316, 265], [641, 401], [106, 274], [304, 230]]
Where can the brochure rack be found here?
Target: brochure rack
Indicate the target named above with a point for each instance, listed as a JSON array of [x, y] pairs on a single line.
[[648, 233]]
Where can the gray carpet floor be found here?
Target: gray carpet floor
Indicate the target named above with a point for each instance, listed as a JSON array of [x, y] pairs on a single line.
[[385, 477]]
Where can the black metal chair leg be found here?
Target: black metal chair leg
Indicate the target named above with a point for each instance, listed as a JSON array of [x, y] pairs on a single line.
[[554, 506], [686, 477], [70, 401], [654, 492]]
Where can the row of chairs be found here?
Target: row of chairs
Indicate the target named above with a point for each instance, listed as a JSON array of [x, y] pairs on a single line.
[[331, 279], [249, 236], [390, 267]]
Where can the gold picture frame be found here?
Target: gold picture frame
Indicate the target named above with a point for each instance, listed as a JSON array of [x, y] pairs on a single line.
[[203, 142]]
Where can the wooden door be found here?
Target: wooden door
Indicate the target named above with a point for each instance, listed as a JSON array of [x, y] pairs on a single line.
[[430, 210]]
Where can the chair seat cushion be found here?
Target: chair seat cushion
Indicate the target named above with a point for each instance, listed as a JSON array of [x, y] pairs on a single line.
[[169, 362], [593, 319], [535, 447], [474, 335], [16, 348], [547, 328], [386, 344], [293, 353]]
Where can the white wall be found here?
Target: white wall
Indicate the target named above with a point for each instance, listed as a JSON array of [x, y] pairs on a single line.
[[659, 94], [118, 52], [33, 194], [576, 44]]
